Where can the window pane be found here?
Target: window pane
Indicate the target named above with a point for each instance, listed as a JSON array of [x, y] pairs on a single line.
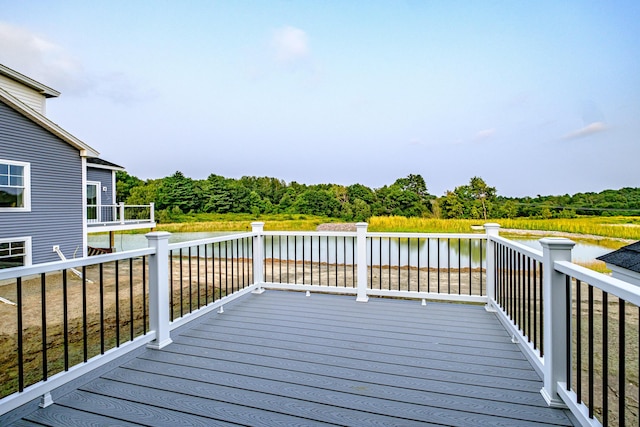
[[9, 262], [8, 199], [4, 245], [4, 169], [17, 181], [16, 170], [4, 180]]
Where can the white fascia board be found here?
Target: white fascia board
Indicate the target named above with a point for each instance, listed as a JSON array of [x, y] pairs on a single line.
[[19, 106], [29, 82], [111, 168]]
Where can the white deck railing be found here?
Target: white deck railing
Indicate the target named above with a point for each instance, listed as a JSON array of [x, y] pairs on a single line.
[[120, 216], [536, 294]]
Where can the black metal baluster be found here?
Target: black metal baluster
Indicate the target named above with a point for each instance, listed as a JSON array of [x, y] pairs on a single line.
[[171, 284], [101, 279], [144, 294], [311, 258], [65, 314], [206, 275], [399, 262], [131, 315], [226, 267], [190, 280], [117, 289], [198, 274], [20, 334], [448, 266], [622, 375], [591, 352], [605, 359], [567, 310], [438, 267], [578, 341], [43, 300], [84, 314], [418, 260]]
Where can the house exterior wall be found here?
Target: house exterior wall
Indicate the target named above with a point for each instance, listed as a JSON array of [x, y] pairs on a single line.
[[56, 215], [30, 97], [105, 178]]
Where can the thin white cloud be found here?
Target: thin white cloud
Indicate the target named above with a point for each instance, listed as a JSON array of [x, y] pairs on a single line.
[[36, 57], [290, 44], [590, 129], [484, 134], [43, 60]]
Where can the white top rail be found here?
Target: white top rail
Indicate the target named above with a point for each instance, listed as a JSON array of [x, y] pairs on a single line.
[[12, 273], [311, 233], [610, 285], [406, 235], [209, 240], [530, 252]]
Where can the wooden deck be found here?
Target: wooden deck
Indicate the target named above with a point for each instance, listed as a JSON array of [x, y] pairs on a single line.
[[284, 359]]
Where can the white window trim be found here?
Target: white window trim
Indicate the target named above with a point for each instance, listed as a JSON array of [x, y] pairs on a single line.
[[27, 186], [27, 247]]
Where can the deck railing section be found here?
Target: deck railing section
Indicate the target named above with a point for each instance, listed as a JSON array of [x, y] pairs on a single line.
[[120, 214], [60, 320], [439, 266], [205, 271], [601, 337], [518, 290], [579, 328], [58, 316], [306, 260]]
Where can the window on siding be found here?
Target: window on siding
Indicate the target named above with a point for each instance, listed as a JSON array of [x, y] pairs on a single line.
[[14, 253], [15, 188]]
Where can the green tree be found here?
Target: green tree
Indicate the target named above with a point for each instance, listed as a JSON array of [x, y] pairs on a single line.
[[179, 191], [125, 183]]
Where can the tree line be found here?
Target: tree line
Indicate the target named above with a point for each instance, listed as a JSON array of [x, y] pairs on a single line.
[[408, 196]]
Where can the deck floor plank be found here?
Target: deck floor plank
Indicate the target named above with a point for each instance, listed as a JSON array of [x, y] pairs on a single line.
[[281, 358]]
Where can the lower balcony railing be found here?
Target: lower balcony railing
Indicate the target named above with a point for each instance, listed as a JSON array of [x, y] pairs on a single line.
[[579, 328], [120, 215]]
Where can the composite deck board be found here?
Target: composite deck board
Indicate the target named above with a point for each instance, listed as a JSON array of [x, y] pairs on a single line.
[[298, 341], [281, 358]]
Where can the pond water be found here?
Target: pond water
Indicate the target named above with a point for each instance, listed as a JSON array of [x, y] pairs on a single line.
[[451, 252]]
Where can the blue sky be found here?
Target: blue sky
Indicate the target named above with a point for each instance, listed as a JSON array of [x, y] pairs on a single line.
[[534, 97]]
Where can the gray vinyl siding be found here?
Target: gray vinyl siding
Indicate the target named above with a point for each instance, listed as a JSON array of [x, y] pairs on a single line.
[[105, 178], [56, 188]]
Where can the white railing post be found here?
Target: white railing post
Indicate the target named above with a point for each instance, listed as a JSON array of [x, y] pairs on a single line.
[[361, 260], [555, 318], [159, 288], [121, 212], [258, 256], [492, 229], [152, 214]]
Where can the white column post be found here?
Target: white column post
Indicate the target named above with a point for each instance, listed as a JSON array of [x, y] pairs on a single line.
[[361, 260], [159, 289], [121, 212], [492, 229], [555, 318], [152, 214], [258, 256]]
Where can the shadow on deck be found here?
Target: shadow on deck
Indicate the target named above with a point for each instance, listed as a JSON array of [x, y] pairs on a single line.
[[282, 358]]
